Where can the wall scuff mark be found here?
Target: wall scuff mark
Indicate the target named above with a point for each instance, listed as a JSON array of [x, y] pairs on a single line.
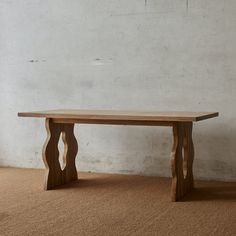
[[187, 5], [36, 61]]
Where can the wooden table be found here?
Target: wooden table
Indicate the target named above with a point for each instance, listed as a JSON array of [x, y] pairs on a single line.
[[62, 122]]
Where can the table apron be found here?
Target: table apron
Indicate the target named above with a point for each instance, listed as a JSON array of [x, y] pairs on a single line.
[[113, 122]]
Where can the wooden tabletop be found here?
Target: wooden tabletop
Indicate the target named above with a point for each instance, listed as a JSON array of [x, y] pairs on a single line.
[[115, 115]]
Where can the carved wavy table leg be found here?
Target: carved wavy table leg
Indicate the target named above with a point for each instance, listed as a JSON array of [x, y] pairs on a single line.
[[188, 158], [182, 160], [54, 174], [71, 149]]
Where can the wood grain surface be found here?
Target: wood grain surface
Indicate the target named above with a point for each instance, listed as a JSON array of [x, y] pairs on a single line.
[[86, 116]]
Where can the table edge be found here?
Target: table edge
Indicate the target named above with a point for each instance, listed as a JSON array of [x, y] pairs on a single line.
[[121, 117]]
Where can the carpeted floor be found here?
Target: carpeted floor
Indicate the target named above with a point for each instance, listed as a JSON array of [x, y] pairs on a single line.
[[105, 204]]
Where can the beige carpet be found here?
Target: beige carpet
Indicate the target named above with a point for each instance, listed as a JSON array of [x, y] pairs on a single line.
[[105, 204]]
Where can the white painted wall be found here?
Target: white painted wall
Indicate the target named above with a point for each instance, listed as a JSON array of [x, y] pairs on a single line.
[[119, 54]]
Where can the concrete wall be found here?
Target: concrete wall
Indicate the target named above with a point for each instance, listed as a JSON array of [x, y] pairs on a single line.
[[119, 54]]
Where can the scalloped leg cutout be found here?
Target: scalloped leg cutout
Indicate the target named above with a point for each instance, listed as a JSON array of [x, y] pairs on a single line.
[[55, 176]]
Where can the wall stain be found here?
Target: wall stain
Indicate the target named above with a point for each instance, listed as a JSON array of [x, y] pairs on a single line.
[[142, 13], [187, 6], [32, 61], [86, 84]]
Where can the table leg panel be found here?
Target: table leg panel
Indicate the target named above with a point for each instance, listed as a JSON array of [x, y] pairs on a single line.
[[56, 176], [182, 160]]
